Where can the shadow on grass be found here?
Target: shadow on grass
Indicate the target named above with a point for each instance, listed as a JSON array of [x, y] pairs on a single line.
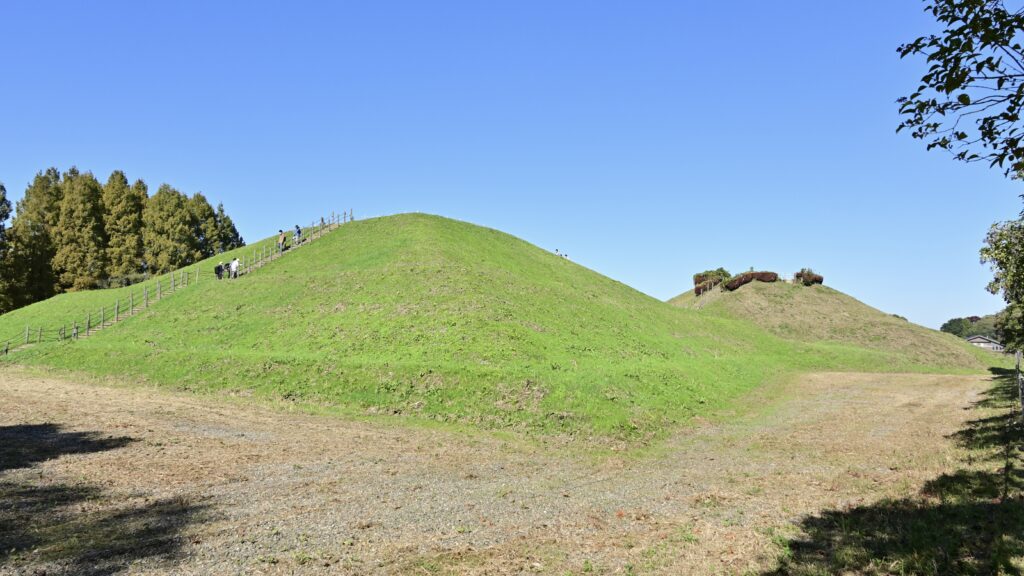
[[53, 528], [967, 522], [24, 445]]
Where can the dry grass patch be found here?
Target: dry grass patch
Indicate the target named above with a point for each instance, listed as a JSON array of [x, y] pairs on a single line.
[[225, 488]]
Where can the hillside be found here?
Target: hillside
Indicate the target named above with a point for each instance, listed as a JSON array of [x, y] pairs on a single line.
[[819, 314], [441, 320]]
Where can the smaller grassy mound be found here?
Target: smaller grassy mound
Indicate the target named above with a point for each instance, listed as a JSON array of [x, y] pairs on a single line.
[[821, 315]]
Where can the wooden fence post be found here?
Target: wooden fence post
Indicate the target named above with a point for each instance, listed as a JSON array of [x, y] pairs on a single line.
[[74, 331], [172, 281], [117, 309], [131, 303], [88, 324], [1020, 385], [39, 336], [26, 334], [145, 296], [159, 294]]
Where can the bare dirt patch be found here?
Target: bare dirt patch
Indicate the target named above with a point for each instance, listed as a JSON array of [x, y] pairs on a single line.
[[103, 479]]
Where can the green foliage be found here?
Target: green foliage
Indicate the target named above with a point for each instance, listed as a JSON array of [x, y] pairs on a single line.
[[31, 240], [956, 326], [30, 269], [227, 237], [169, 231], [122, 220], [204, 219], [714, 276], [6, 296], [5, 212], [1004, 252], [973, 326], [1010, 327], [444, 321], [969, 100], [81, 243]]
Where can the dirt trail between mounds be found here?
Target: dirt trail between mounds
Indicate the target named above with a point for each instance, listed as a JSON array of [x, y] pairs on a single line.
[[97, 480]]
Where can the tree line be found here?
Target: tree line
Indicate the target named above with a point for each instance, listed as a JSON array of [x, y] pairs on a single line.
[[70, 232], [987, 326]]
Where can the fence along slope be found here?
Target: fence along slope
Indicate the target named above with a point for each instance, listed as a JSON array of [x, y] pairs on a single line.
[[154, 291]]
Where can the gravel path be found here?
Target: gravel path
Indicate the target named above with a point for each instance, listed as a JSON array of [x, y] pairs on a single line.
[[100, 479]]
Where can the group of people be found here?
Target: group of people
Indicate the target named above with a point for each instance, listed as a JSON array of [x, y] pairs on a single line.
[[231, 269], [282, 244]]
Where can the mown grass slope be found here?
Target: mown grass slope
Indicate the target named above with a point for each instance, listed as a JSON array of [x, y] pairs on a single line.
[[819, 314], [71, 307], [425, 316]]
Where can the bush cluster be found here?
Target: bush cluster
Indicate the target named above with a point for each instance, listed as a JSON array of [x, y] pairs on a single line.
[[708, 279], [748, 277], [807, 277]]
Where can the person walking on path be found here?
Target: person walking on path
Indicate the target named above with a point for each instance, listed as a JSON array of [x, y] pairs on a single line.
[[234, 268], [280, 240], [297, 236], [219, 271]]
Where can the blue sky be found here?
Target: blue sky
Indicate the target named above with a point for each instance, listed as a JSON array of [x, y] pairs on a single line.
[[648, 140]]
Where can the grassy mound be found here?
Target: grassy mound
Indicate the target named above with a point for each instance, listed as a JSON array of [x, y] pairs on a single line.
[[819, 314], [442, 320]]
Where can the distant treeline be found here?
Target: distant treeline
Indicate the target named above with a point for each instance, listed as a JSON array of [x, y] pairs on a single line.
[[70, 232], [988, 326]]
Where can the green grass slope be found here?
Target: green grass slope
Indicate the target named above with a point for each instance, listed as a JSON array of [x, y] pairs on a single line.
[[819, 314], [442, 320], [68, 308]]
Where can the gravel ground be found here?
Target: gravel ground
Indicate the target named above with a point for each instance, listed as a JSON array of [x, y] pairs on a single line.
[[104, 479]]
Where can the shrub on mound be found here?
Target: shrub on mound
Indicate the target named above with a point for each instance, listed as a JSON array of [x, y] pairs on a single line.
[[705, 286], [807, 277], [708, 279], [748, 277], [716, 276]]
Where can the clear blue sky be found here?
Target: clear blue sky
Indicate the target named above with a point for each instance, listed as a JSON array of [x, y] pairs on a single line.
[[649, 140]]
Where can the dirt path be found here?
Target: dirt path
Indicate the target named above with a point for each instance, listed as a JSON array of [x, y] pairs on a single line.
[[96, 480]]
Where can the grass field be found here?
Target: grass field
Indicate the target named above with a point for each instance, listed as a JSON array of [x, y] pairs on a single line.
[[429, 318], [836, 473]]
